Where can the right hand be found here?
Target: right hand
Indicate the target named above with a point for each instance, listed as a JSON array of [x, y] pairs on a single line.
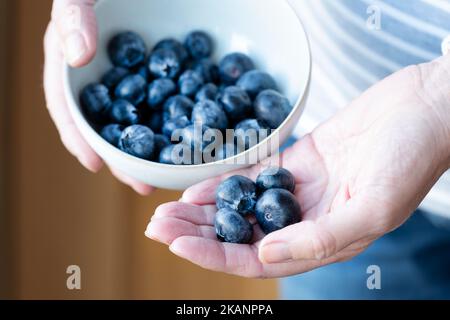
[[72, 37], [359, 176]]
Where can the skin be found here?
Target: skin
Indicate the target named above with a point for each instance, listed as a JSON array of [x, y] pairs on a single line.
[[358, 176], [71, 38]]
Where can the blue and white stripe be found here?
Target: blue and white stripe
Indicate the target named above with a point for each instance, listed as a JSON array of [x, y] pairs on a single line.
[[349, 57]]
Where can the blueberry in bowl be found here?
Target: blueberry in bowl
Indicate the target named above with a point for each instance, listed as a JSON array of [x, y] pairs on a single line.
[[159, 91], [255, 81], [199, 44], [236, 103], [190, 83], [96, 102], [208, 92], [132, 88], [210, 114], [138, 141], [123, 112], [272, 108], [175, 46], [165, 63], [127, 49], [140, 58], [111, 133], [233, 66]]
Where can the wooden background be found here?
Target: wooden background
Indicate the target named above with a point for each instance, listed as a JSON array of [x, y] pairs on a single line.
[[55, 214]]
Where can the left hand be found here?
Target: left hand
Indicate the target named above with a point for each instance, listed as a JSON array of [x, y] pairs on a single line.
[[71, 37], [359, 175]]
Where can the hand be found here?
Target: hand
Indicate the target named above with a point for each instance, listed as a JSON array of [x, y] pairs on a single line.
[[358, 176], [72, 37]]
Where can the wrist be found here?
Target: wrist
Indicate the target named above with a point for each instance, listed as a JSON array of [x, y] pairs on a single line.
[[434, 90]]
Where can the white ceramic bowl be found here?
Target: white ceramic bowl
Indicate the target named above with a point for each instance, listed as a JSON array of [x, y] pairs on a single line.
[[267, 30]]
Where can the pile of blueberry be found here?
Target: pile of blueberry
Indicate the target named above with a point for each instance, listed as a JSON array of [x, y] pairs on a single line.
[[270, 199], [145, 99]]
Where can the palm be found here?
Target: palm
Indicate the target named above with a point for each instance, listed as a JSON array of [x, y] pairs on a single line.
[[356, 179]]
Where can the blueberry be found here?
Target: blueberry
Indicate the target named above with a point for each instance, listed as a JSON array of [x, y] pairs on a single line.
[[132, 88], [199, 44], [126, 49], [255, 81], [193, 135], [275, 178], [143, 71], [175, 46], [207, 69], [208, 92], [233, 66], [165, 63], [272, 108], [250, 132], [226, 151], [190, 82], [159, 90], [111, 133], [237, 193], [169, 155], [138, 141], [177, 106], [174, 124], [161, 142], [277, 209], [179, 154], [232, 227], [123, 112], [155, 122], [210, 114], [113, 77], [236, 103], [95, 101]]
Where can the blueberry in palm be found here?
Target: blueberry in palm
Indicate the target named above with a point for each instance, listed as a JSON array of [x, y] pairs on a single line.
[[237, 193], [231, 227]]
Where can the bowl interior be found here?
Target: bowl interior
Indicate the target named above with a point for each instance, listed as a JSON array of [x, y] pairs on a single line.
[[267, 30]]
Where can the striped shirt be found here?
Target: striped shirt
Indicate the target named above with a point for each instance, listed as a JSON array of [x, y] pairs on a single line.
[[356, 43]]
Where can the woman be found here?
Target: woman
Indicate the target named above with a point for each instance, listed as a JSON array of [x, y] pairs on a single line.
[[360, 174]]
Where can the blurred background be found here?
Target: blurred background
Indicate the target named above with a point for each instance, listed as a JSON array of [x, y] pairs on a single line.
[[54, 213]]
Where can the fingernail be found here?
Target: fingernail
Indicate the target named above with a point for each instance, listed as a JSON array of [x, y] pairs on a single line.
[[275, 253], [74, 47], [175, 250], [143, 190], [149, 232], [87, 162]]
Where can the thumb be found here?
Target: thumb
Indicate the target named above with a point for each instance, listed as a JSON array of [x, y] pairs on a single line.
[[320, 239], [77, 29]]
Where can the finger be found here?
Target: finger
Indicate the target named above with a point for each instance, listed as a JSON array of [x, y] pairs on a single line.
[[211, 254], [242, 260], [139, 187], [175, 219], [320, 239], [77, 29], [199, 215], [57, 107], [166, 230]]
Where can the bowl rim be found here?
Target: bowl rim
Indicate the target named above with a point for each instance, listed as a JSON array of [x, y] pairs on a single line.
[[77, 113]]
